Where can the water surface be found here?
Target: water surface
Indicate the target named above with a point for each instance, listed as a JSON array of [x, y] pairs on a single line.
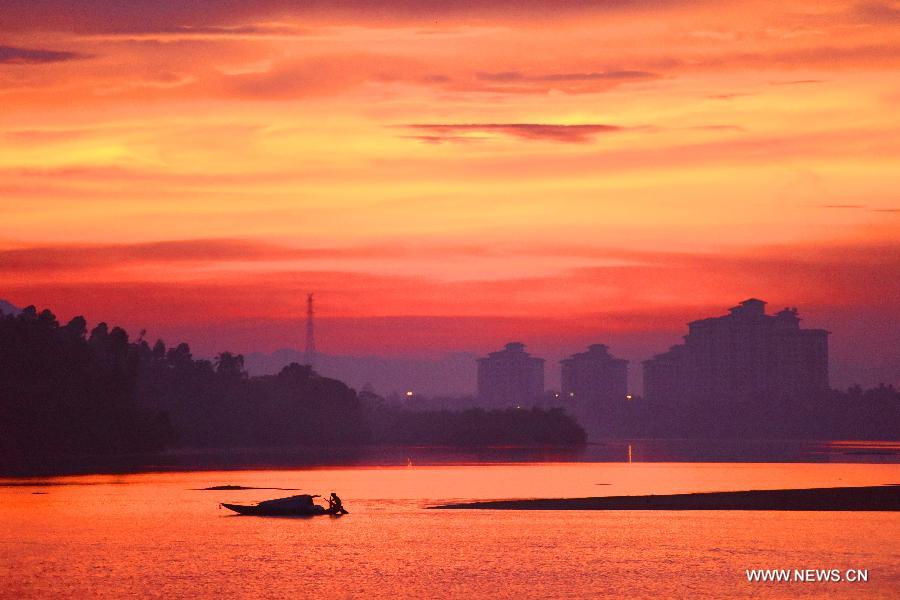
[[158, 535]]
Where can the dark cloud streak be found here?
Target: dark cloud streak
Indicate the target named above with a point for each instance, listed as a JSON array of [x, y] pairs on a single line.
[[877, 13], [10, 55]]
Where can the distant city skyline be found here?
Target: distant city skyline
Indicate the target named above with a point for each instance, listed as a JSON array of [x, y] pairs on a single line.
[[446, 371]]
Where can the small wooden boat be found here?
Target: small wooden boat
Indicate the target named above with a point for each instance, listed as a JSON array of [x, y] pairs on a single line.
[[293, 506]]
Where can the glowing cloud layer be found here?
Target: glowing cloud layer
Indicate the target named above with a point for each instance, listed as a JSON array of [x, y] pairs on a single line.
[[580, 169]]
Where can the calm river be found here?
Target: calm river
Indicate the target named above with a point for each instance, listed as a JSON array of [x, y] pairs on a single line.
[[159, 535]]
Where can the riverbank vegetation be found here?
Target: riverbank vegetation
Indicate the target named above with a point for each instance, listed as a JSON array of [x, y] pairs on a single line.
[[68, 391]]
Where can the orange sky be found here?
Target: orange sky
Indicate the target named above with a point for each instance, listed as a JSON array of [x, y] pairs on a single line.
[[557, 172]]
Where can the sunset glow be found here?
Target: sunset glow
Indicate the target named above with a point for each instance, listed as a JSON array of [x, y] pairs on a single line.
[[452, 175]]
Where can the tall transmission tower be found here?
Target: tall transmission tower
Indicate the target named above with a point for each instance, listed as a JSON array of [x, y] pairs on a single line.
[[310, 356]]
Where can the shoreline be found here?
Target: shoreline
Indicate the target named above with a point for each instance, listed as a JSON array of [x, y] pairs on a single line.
[[645, 450], [869, 498]]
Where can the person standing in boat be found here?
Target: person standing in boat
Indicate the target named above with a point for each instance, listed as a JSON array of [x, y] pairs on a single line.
[[335, 505]]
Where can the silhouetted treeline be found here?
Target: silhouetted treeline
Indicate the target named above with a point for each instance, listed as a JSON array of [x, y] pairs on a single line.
[[476, 427], [64, 390], [67, 391], [855, 414], [215, 403]]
